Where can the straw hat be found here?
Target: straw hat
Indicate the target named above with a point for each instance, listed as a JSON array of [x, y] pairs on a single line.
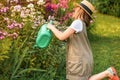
[[87, 7]]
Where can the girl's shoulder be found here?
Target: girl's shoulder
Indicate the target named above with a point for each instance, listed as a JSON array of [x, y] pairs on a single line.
[[78, 20], [77, 25]]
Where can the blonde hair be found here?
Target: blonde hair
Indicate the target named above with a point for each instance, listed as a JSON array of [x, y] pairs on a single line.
[[81, 14]]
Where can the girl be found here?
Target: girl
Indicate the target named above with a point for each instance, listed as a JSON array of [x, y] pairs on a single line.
[[79, 58]]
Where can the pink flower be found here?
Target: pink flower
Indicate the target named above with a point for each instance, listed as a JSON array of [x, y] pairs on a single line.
[[1, 10], [5, 33], [69, 14], [0, 32], [66, 17], [63, 3], [22, 14], [54, 6], [4, 9], [19, 25], [11, 26], [14, 35], [17, 8], [91, 21], [2, 37], [95, 17]]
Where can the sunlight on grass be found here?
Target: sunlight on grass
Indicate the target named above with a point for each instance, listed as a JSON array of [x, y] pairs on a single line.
[[107, 26], [105, 42]]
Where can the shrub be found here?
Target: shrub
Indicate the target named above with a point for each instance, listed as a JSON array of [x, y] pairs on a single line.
[[111, 7], [17, 36]]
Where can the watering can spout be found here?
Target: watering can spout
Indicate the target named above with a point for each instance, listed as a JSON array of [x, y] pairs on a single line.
[[35, 46]]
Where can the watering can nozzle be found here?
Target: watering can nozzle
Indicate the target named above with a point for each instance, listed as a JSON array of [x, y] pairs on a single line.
[[35, 46]]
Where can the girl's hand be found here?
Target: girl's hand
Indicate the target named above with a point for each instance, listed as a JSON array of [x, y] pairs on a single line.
[[50, 26]]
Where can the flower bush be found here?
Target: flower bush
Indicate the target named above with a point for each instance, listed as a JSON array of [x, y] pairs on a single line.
[[19, 24]]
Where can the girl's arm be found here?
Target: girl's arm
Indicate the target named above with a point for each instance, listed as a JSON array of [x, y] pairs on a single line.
[[61, 35]]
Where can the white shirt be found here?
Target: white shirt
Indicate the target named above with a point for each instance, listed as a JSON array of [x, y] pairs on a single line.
[[77, 25]]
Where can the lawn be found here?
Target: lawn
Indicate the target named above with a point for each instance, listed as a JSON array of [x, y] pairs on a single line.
[[105, 42]]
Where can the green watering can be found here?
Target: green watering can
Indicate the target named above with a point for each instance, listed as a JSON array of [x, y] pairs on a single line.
[[44, 36]]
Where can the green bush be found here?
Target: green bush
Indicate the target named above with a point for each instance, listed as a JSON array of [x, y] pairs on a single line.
[[111, 7], [18, 59]]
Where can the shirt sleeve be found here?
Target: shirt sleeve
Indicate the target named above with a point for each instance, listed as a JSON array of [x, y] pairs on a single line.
[[77, 25]]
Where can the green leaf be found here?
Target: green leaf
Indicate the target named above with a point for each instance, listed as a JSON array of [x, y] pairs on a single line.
[[29, 69]]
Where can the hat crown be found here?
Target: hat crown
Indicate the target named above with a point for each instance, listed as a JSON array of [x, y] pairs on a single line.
[[89, 5]]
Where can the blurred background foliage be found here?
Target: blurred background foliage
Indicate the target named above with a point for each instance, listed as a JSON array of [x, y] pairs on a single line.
[[20, 61], [111, 7]]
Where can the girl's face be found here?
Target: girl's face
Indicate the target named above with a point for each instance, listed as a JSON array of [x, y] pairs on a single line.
[[76, 8]]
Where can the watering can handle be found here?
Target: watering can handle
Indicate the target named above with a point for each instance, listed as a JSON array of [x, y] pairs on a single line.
[[51, 22]]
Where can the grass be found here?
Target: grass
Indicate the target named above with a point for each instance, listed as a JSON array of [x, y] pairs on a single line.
[[105, 42]]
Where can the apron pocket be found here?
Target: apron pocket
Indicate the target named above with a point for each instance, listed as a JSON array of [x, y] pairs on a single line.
[[74, 68]]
